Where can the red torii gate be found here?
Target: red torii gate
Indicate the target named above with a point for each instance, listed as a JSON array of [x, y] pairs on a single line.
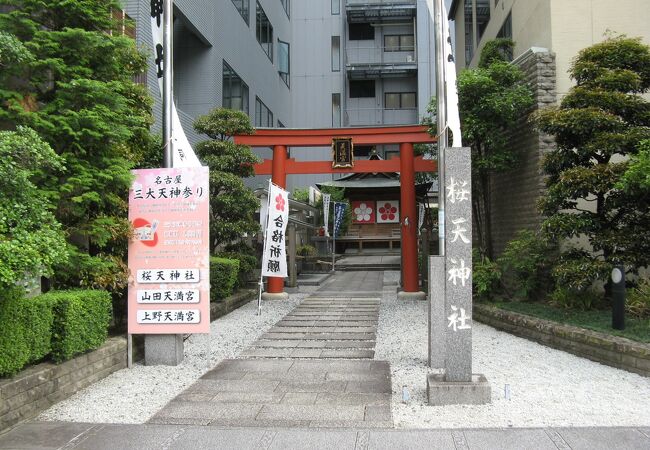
[[407, 164]]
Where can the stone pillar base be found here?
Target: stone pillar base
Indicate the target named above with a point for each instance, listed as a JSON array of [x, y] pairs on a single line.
[[275, 296], [441, 392], [163, 349], [418, 295]]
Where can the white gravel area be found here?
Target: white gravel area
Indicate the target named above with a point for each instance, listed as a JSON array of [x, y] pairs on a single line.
[[547, 387], [134, 395]]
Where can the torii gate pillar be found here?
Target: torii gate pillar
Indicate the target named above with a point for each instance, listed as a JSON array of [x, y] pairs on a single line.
[[409, 226], [275, 285]]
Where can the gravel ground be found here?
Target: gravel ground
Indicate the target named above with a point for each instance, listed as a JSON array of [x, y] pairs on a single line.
[[547, 387], [134, 395]]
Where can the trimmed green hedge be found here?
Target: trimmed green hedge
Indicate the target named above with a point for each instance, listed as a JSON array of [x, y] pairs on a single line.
[[25, 330], [247, 264], [62, 323], [81, 320], [223, 277]]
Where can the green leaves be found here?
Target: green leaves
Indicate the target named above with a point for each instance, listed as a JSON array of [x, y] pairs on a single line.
[[76, 91], [232, 204], [594, 193], [492, 99], [31, 240]]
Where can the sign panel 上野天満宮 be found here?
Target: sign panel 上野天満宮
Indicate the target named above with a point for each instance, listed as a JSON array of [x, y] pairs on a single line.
[[169, 263]]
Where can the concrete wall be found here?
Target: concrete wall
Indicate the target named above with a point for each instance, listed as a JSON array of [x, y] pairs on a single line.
[[581, 23]]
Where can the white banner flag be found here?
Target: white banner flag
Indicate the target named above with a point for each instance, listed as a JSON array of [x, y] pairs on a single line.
[[183, 154], [453, 117], [421, 212], [274, 257], [326, 212]]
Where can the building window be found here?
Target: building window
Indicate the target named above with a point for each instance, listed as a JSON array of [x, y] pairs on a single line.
[[482, 16], [336, 7], [263, 115], [362, 88], [506, 29], [336, 53], [399, 43], [400, 100], [235, 91], [469, 31], [264, 32], [361, 32], [336, 110], [286, 4], [243, 6], [284, 63], [506, 33]]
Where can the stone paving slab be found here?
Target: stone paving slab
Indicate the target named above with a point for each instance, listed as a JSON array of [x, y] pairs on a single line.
[[304, 434], [286, 392]]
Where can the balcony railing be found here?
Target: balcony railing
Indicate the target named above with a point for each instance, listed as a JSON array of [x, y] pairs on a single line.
[[379, 2], [380, 55], [380, 116]]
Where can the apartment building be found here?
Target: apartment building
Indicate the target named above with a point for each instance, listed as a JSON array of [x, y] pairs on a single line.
[[299, 64], [548, 34], [560, 26]]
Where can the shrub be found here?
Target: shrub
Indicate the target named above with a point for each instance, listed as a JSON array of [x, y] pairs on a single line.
[[576, 270], [25, 330], [571, 299], [247, 264], [223, 277], [637, 303], [525, 264], [306, 250], [81, 320], [486, 276]]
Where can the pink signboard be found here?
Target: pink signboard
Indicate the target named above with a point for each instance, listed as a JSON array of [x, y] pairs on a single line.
[[169, 261]]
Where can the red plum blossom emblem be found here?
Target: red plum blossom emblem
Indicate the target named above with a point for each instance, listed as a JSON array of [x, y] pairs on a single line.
[[387, 212], [279, 203]]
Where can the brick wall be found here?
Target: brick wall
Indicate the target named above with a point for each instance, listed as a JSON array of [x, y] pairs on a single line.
[[515, 193], [610, 350], [37, 388]]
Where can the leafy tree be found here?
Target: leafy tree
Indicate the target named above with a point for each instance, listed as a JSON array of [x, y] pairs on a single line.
[[599, 123], [637, 175], [31, 240], [232, 204], [491, 99], [76, 90]]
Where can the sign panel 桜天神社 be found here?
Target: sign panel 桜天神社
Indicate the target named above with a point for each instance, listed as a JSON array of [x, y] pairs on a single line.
[[169, 263], [274, 257]]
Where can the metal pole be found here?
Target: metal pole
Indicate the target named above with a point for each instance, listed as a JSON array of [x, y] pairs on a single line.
[[439, 22], [618, 297], [334, 237], [167, 82]]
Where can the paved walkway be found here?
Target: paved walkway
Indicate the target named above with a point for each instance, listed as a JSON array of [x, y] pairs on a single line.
[[314, 368], [78, 436]]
